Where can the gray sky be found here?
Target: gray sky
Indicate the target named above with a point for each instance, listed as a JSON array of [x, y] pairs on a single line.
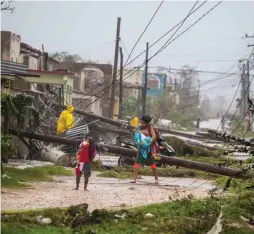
[[88, 28]]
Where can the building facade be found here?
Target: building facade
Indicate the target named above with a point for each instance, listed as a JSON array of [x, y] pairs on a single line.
[[15, 51], [156, 82], [93, 79]]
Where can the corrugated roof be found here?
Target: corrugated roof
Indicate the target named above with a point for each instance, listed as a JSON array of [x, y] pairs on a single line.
[[12, 68]]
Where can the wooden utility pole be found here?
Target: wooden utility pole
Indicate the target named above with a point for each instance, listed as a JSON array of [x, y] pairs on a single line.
[[145, 83], [248, 79], [120, 115], [243, 104], [130, 152], [113, 90], [247, 96], [42, 59]]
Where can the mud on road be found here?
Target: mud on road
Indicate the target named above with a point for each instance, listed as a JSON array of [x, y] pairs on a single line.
[[107, 193]]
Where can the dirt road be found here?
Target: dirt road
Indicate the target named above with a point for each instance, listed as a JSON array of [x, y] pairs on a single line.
[[103, 193]]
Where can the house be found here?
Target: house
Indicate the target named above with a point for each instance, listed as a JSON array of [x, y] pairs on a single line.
[[57, 79], [19, 55], [12, 73], [86, 101], [92, 86], [130, 76], [10, 46], [156, 82]]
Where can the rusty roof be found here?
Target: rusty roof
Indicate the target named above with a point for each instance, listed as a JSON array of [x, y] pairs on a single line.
[[15, 69]]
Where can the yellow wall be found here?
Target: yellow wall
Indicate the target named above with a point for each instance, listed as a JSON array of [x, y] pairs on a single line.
[[55, 79]]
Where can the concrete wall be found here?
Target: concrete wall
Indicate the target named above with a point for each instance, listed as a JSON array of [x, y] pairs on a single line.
[[134, 79], [130, 76], [96, 106], [10, 46], [54, 79], [82, 102], [82, 81], [68, 89], [33, 63]]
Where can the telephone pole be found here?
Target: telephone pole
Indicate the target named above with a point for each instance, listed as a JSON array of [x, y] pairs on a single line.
[[120, 115], [243, 81], [113, 90], [245, 94], [145, 83]]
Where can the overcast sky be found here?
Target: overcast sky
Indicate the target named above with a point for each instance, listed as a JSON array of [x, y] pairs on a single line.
[[215, 43]]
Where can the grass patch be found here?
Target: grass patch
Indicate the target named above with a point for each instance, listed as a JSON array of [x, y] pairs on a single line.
[[127, 172], [182, 216], [177, 217], [20, 177], [116, 174], [181, 148], [210, 160], [6, 229]]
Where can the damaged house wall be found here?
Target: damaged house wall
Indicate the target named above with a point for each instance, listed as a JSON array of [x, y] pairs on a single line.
[[81, 69]]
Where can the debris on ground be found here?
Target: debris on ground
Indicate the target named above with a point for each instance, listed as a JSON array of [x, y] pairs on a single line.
[[149, 215]]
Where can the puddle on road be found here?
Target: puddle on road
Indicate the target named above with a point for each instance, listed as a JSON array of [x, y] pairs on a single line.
[[22, 164]]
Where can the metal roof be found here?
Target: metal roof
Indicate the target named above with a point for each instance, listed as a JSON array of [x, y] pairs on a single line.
[[15, 69]]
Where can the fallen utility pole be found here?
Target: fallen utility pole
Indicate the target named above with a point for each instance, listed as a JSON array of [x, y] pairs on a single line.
[[130, 152], [129, 127]]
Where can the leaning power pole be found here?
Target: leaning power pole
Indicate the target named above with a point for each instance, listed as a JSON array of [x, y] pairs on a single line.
[[120, 114], [145, 83], [243, 90], [113, 90]]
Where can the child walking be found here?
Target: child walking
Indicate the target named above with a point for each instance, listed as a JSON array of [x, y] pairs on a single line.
[[85, 156]]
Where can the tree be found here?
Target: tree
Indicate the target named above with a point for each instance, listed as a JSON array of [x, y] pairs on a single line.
[[8, 149], [130, 106], [7, 6], [161, 105], [18, 112], [188, 87], [65, 56]]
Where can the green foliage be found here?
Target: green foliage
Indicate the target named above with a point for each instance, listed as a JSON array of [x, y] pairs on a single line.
[[8, 148], [65, 56], [19, 107], [182, 149], [240, 204], [185, 116], [13, 229], [127, 172], [19, 177], [130, 106], [181, 216]]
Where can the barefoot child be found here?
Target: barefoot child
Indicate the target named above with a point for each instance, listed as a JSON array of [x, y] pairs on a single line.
[[85, 156]]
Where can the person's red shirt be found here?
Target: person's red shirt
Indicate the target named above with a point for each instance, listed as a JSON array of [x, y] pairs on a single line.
[[83, 155]]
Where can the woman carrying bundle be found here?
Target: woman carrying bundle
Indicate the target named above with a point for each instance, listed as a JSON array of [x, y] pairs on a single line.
[[145, 139]]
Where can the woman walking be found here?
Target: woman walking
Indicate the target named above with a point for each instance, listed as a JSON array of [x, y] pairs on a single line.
[[145, 138], [85, 156]]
